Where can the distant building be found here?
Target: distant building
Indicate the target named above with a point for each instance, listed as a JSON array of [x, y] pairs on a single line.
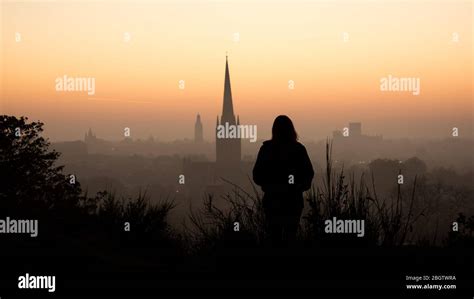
[[198, 132], [355, 129], [355, 134], [96, 145], [90, 137], [228, 150], [352, 146], [206, 176]]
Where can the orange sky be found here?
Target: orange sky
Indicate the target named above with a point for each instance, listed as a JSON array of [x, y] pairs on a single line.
[[335, 81]]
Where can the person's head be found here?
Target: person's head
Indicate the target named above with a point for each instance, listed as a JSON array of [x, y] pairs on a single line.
[[283, 130]]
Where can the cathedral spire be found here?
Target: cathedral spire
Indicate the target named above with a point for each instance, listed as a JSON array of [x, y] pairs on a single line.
[[228, 150], [198, 131], [228, 108]]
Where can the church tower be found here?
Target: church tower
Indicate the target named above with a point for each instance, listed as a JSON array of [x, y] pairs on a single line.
[[228, 150], [89, 137], [198, 133]]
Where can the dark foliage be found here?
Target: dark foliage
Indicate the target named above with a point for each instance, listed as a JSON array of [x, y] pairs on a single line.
[[33, 187]]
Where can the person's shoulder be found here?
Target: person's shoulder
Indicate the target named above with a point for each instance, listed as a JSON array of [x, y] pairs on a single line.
[[301, 149], [265, 145], [300, 146]]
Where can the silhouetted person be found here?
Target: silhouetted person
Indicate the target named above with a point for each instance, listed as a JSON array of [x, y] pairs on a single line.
[[284, 171]]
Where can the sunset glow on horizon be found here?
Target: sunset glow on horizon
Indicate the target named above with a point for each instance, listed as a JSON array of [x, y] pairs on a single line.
[[336, 56]]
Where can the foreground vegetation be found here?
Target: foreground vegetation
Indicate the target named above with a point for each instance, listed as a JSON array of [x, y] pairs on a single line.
[[78, 224]]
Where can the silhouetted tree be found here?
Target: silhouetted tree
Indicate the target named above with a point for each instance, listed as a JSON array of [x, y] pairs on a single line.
[[414, 166], [32, 186], [28, 174]]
